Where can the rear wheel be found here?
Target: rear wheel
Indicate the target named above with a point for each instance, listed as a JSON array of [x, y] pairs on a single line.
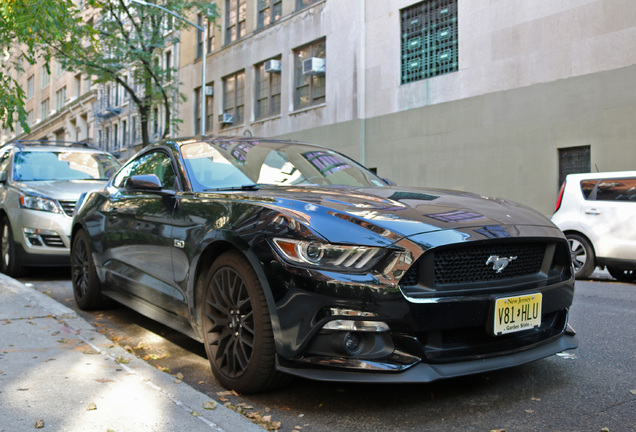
[[583, 256], [237, 329], [9, 263], [86, 285], [623, 275]]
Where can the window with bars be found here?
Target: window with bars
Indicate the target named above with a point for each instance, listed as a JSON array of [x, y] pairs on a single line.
[[429, 40], [573, 160], [235, 16], [269, 11], [234, 96], [268, 89], [309, 87]]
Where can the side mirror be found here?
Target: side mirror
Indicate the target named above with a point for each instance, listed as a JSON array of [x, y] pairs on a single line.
[[144, 182]]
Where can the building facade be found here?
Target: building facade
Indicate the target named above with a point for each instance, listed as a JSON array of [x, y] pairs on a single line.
[[499, 97]]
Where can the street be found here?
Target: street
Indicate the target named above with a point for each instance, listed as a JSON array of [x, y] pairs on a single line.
[[587, 389]]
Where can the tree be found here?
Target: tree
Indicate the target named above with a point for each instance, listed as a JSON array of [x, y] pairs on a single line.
[[119, 35], [22, 22]]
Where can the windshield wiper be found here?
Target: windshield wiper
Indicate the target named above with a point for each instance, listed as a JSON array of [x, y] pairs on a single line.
[[246, 187]]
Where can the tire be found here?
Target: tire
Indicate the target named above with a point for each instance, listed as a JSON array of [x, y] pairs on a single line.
[[622, 275], [86, 286], [583, 256], [237, 329], [9, 262]]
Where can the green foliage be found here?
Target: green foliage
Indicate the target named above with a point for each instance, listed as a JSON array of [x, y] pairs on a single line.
[[22, 23], [105, 39]]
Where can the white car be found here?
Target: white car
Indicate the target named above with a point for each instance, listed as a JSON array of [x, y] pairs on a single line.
[[40, 183], [597, 213]]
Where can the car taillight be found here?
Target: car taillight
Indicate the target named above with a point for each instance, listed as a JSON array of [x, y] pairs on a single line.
[[560, 198]]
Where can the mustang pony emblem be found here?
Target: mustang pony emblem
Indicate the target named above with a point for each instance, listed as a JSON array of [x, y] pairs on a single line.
[[498, 264]]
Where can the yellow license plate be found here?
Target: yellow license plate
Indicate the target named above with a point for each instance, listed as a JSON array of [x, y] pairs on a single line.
[[513, 314]]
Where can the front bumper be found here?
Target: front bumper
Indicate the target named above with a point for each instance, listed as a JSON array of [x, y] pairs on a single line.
[[427, 372], [46, 241]]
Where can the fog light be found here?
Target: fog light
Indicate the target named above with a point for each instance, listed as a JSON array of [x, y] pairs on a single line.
[[352, 343]]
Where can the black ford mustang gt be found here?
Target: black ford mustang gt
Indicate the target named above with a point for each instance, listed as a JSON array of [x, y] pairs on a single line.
[[286, 258]]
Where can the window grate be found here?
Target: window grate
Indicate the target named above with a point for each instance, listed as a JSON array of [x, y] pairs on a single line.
[[429, 39]]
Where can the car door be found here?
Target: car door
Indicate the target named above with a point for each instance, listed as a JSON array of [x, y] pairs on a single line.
[[138, 231], [608, 215]]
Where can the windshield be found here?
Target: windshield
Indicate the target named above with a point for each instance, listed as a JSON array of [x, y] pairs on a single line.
[[63, 165], [234, 164]]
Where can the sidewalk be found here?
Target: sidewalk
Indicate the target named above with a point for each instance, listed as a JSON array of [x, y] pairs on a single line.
[[57, 370]]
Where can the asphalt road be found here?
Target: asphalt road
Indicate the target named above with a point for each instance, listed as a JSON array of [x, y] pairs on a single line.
[[588, 389]]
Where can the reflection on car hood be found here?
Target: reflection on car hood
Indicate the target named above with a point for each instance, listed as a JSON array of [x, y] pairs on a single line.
[[397, 212], [65, 190]]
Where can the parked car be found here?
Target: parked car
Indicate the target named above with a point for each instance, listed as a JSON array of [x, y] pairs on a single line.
[[597, 213], [286, 258], [40, 183]]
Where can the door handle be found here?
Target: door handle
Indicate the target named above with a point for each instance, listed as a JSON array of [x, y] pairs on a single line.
[[593, 212]]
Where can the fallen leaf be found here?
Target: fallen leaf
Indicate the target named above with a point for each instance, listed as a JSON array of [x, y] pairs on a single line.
[[209, 405], [179, 376], [633, 392], [535, 399], [104, 380], [122, 360], [91, 407], [31, 322], [48, 360], [276, 425], [63, 340], [128, 348], [267, 418], [530, 411], [498, 430], [605, 430], [55, 333], [39, 424], [195, 414]]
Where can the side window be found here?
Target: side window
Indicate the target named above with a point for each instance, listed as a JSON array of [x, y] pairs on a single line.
[[157, 163], [616, 190], [587, 187]]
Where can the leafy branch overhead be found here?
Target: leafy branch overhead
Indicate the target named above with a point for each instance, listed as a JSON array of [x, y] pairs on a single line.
[[122, 42]]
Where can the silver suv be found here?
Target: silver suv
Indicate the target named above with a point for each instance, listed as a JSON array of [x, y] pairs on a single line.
[[597, 213], [39, 186]]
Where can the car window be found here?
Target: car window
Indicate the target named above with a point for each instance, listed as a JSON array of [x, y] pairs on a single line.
[[48, 165], [5, 158], [618, 189], [157, 163], [222, 164]]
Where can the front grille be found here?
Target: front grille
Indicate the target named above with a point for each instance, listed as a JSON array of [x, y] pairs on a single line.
[[68, 207], [468, 264]]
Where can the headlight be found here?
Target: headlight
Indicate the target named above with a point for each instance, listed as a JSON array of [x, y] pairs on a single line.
[[39, 203], [329, 256]]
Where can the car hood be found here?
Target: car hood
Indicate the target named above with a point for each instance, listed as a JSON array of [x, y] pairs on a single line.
[[393, 213], [64, 190]]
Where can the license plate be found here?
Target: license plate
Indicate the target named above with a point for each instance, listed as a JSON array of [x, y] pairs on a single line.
[[513, 314]]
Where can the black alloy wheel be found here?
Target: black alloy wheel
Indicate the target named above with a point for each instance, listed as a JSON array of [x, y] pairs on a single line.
[[237, 328], [86, 285], [9, 264], [622, 275], [583, 256]]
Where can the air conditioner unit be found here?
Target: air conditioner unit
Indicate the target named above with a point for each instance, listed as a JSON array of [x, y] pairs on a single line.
[[209, 91], [272, 66], [314, 66], [226, 118]]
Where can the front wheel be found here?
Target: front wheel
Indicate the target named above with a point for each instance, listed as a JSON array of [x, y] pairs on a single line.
[[583, 256], [86, 285], [9, 263], [237, 329], [622, 275]]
